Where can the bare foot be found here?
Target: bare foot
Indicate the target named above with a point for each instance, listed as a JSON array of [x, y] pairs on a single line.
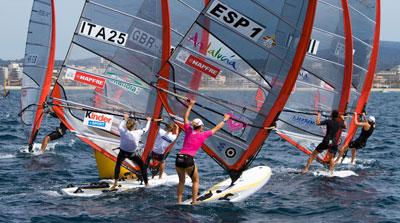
[[304, 171], [113, 186]]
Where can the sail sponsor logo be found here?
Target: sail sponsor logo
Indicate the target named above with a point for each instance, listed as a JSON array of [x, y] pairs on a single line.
[[233, 125], [98, 120], [235, 21], [269, 41], [217, 53], [145, 39], [102, 33], [31, 59], [85, 78], [303, 121], [198, 64], [303, 75], [130, 87]]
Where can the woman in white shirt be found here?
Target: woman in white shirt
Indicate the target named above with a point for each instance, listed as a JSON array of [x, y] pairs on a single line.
[[163, 140], [129, 143]]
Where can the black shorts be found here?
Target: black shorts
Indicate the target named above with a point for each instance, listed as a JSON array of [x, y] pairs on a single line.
[[357, 144], [158, 157], [324, 145], [55, 135], [184, 161]]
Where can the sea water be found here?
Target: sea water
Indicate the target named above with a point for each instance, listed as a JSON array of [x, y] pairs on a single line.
[[30, 185]]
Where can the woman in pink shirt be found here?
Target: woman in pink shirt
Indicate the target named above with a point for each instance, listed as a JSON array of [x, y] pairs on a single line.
[[194, 138]]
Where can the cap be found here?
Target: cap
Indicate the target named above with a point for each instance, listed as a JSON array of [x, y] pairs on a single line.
[[197, 122], [371, 118]]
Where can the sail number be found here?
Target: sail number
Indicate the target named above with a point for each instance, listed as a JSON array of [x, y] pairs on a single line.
[[31, 59], [103, 33], [235, 20]]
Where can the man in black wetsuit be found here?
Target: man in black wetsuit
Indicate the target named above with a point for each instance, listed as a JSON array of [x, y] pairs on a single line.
[[56, 134], [333, 128], [368, 127]]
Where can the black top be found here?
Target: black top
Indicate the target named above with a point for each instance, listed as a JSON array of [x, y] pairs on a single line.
[[332, 129], [365, 134]]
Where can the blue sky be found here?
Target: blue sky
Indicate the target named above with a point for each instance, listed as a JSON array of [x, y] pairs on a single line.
[[14, 16]]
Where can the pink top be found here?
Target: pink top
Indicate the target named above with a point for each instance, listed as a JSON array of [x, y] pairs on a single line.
[[193, 140]]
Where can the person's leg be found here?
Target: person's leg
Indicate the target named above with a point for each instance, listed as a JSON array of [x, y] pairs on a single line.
[[341, 153], [45, 142], [353, 155], [117, 169], [194, 175], [181, 185], [331, 162], [332, 153], [310, 160], [143, 170]]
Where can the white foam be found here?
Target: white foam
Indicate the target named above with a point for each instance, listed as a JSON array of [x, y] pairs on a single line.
[[36, 148], [7, 156], [51, 193], [337, 173]]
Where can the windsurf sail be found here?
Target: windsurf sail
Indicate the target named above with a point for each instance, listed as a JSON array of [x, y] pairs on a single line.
[[325, 80], [365, 15], [234, 55], [38, 65], [117, 50]]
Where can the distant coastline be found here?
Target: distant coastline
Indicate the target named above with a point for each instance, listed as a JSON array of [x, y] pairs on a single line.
[[244, 89]]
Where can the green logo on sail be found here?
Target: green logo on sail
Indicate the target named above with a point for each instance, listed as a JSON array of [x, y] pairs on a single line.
[[130, 87]]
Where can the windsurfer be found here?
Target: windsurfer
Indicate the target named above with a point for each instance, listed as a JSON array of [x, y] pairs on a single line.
[[163, 140], [333, 127], [193, 140], [129, 143], [368, 127], [54, 135]]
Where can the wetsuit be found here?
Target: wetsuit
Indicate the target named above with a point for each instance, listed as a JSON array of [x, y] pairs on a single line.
[[58, 133], [333, 128], [361, 141], [128, 145]]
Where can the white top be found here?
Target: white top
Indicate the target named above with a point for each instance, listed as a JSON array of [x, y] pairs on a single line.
[[130, 139], [163, 140]]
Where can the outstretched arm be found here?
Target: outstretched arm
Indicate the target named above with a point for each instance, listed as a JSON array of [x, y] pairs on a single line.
[[344, 123], [359, 124], [221, 124], [121, 126], [145, 129], [188, 110], [318, 120]]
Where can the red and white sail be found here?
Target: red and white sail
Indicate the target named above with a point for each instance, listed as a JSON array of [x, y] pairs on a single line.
[[38, 65]]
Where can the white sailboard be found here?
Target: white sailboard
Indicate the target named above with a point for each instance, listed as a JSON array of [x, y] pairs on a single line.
[[251, 181], [337, 173], [103, 186]]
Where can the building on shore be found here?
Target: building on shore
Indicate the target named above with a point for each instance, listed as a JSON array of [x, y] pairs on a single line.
[[388, 78], [14, 74]]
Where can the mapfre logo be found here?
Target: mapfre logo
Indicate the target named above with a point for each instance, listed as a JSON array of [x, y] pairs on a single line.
[[85, 78], [98, 120]]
